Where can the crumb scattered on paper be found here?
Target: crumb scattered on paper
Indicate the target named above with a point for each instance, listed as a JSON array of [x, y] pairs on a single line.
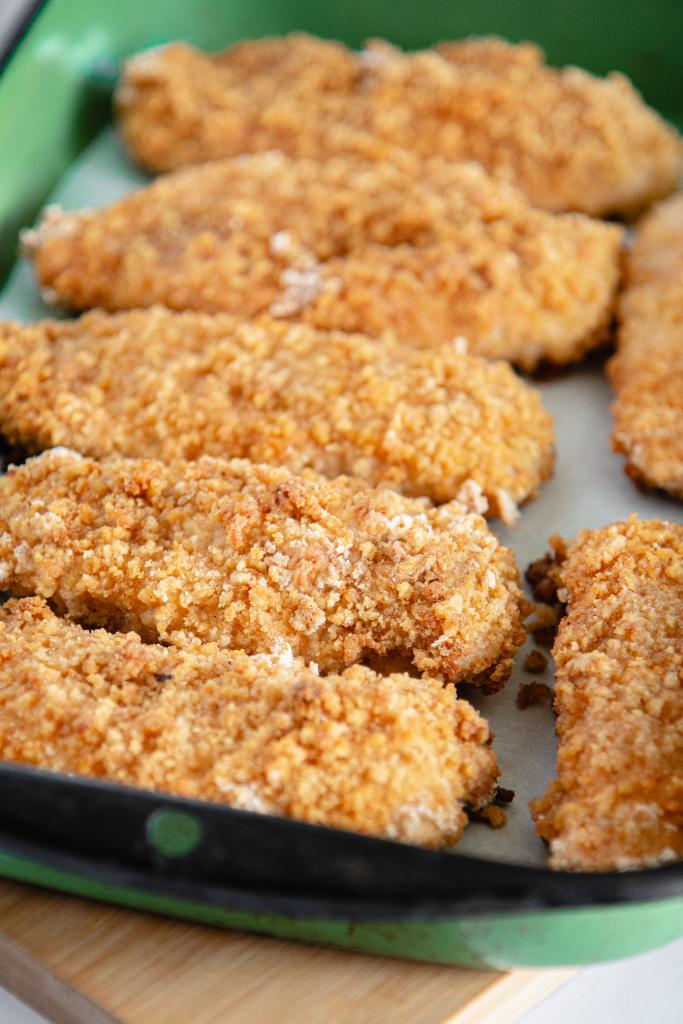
[[535, 661], [529, 694]]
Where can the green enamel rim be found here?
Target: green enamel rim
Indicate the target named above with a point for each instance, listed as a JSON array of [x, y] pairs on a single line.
[[173, 833], [534, 938]]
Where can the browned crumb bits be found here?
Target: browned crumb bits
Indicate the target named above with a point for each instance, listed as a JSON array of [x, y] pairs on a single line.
[[494, 817], [535, 661], [542, 576], [529, 694], [543, 626], [544, 635], [503, 795]]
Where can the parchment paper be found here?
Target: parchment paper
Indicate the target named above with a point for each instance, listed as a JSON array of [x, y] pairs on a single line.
[[589, 489]]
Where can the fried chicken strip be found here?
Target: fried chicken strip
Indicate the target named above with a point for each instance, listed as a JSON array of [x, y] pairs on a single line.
[[178, 385], [390, 756], [345, 245], [248, 555], [647, 372], [618, 801], [568, 140]]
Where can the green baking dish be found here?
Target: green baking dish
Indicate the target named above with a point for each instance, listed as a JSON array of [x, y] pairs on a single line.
[[231, 868]]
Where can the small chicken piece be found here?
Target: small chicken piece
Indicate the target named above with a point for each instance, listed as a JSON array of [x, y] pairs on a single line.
[[618, 801], [345, 245], [647, 372], [568, 140], [178, 385], [245, 555], [389, 756]]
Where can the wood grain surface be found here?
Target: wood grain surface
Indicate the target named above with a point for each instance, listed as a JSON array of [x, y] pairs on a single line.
[[87, 963]]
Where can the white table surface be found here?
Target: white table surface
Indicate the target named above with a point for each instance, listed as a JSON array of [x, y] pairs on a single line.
[[643, 988]]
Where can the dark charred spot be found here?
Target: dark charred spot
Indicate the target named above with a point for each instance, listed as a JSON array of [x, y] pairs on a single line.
[[503, 796]]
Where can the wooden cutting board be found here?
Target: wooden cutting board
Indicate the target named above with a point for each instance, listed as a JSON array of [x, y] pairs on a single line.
[[79, 962]]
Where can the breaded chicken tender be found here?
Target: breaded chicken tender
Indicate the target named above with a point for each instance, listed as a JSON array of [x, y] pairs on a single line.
[[390, 756], [647, 372], [248, 555], [618, 801], [345, 245], [179, 385], [568, 140]]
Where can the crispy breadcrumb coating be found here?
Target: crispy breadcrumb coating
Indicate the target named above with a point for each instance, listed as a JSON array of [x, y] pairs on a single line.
[[345, 245], [647, 372], [390, 756], [248, 555], [179, 385], [618, 801], [568, 140]]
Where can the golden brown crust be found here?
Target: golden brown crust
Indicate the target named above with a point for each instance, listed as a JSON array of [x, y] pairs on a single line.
[[430, 253], [169, 385], [618, 801], [390, 756], [569, 140], [647, 372], [248, 555]]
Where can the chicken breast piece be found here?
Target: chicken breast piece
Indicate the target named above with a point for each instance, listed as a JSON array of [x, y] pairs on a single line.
[[618, 800], [179, 385], [647, 372], [390, 756], [245, 555], [345, 245], [568, 140]]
